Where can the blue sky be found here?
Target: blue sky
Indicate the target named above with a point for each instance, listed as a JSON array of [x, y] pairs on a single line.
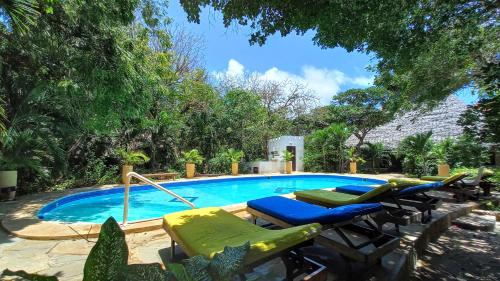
[[295, 57]]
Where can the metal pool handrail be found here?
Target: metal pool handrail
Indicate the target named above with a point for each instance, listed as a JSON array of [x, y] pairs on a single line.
[[131, 175]]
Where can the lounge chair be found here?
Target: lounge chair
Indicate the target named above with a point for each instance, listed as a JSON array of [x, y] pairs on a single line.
[[413, 196], [207, 231], [349, 223], [458, 185]]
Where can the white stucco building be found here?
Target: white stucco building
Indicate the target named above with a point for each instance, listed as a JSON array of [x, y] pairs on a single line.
[[275, 148]]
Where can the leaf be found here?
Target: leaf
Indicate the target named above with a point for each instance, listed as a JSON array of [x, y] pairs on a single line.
[[224, 266], [179, 271], [197, 268], [27, 276], [109, 256], [140, 272]]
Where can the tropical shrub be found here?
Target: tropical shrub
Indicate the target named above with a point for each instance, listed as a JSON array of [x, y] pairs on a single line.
[[192, 157], [467, 151], [415, 151], [287, 155], [132, 157], [441, 151], [219, 164], [235, 155], [377, 153], [326, 149], [108, 261], [353, 156]]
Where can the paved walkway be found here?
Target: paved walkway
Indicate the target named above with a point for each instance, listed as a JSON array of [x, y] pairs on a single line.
[[461, 254]]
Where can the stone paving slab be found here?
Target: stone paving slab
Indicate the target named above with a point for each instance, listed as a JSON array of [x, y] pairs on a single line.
[[476, 222]]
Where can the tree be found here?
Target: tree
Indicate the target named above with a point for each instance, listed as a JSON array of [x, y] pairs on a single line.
[[425, 49], [362, 109]]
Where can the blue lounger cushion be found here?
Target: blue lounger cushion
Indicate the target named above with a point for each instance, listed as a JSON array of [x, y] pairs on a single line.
[[419, 188], [298, 213], [354, 189]]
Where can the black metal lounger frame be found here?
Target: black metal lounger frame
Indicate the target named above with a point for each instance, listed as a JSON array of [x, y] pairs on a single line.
[[383, 243], [461, 190], [396, 215]]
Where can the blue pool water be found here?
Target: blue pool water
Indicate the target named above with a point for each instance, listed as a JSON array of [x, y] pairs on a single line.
[[147, 202]]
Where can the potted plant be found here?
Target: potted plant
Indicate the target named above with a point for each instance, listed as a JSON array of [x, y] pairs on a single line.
[[353, 160], [129, 159], [440, 153], [191, 158], [288, 157], [235, 156]]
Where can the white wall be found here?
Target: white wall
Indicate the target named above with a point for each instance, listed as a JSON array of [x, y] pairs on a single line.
[[278, 145]]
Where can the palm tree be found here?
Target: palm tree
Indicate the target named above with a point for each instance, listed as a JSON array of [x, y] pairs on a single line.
[[376, 152], [417, 149], [21, 13]]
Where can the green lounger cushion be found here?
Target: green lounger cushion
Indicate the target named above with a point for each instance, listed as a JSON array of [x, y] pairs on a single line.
[[333, 198], [207, 231]]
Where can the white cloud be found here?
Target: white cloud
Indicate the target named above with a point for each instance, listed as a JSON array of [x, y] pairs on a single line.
[[234, 68], [325, 83]]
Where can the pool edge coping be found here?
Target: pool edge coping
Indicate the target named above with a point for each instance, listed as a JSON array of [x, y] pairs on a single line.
[[27, 225]]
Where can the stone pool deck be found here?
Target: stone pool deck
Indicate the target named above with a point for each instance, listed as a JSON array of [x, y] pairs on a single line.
[[65, 258]]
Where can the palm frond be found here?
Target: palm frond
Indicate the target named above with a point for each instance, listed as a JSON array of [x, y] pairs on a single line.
[[22, 13]]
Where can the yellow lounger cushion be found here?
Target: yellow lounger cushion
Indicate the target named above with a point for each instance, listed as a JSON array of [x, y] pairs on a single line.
[[207, 231], [333, 198], [407, 182], [446, 180]]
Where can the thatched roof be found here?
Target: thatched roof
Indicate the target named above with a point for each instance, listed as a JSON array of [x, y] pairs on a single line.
[[442, 120]]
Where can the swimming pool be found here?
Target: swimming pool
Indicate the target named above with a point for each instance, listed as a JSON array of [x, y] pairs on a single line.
[[147, 202]]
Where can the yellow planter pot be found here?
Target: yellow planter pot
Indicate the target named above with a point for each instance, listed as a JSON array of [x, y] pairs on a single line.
[[443, 170], [234, 169], [9, 179], [190, 168], [288, 167], [353, 167], [125, 170]]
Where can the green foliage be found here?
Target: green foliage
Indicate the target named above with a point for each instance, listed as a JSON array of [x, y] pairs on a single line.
[[109, 256], [362, 109], [108, 261], [377, 153], [26, 150], [287, 155], [481, 120], [353, 156], [326, 149], [192, 157], [442, 150], [132, 157], [416, 154], [22, 13], [235, 155], [467, 151], [220, 163], [97, 172], [425, 50]]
